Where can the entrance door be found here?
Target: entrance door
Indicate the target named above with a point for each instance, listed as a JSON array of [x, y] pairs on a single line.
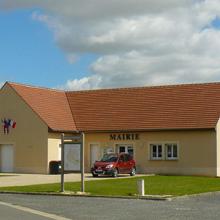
[[94, 153], [7, 158]]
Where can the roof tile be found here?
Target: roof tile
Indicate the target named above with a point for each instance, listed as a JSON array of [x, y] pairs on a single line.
[[51, 105], [188, 106]]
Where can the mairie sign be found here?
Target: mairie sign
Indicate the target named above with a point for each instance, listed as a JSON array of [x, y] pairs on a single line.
[[124, 136]]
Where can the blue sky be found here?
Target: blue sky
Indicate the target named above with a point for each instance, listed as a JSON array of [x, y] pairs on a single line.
[[28, 53], [81, 44]]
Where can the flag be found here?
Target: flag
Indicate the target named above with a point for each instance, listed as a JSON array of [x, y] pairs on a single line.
[[14, 124]]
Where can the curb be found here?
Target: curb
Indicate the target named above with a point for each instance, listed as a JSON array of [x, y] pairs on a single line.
[[196, 195], [147, 197]]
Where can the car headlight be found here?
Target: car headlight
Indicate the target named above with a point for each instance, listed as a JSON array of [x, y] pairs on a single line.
[[109, 166]]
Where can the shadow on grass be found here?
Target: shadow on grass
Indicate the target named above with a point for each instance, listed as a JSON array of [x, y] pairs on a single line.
[[108, 176]]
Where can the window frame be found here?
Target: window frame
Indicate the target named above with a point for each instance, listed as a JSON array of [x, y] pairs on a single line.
[[151, 151], [166, 150], [127, 147]]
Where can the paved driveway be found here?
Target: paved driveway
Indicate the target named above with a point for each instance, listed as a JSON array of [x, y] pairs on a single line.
[[30, 179]]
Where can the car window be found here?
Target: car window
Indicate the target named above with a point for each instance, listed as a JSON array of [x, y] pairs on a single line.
[[109, 158], [121, 158], [130, 157], [127, 157]]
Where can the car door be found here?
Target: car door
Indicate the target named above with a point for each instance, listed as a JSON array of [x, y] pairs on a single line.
[[130, 163], [121, 164], [127, 163]]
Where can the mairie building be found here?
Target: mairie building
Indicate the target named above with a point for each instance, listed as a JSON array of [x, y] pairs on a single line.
[[168, 129]]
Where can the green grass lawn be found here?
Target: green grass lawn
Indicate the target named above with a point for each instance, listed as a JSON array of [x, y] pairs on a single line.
[[154, 185]]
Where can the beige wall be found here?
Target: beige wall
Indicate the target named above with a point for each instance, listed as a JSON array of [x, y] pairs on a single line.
[[29, 138], [218, 147], [54, 140], [197, 151]]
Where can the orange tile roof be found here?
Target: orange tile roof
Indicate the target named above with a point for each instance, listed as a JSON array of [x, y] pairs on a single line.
[[189, 106], [51, 106]]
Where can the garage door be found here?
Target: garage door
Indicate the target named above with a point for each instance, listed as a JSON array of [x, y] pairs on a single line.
[[7, 158]]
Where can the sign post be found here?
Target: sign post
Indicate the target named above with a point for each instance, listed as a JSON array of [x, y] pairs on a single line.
[[82, 164], [72, 157], [62, 163]]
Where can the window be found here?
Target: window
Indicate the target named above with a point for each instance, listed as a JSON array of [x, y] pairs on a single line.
[[130, 150], [164, 151], [121, 149], [156, 151], [125, 148], [171, 151]]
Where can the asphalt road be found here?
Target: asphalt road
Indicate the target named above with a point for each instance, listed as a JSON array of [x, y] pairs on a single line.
[[206, 206], [9, 213]]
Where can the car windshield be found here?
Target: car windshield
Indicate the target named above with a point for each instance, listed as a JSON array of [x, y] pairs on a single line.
[[109, 158]]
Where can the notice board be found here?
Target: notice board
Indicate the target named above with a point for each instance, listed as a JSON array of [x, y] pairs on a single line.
[[72, 157]]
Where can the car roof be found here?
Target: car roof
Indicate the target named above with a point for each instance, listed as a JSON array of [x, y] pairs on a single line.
[[118, 154]]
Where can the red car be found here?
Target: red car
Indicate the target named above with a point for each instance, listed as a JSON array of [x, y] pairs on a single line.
[[113, 164]]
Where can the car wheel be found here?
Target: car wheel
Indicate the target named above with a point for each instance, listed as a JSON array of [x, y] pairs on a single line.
[[133, 171], [115, 172]]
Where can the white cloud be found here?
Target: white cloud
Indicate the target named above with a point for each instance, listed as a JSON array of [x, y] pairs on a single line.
[[84, 83], [98, 9], [139, 42]]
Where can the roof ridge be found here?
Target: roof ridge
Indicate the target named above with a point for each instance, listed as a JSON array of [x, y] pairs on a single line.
[[142, 87], [35, 87], [113, 89]]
